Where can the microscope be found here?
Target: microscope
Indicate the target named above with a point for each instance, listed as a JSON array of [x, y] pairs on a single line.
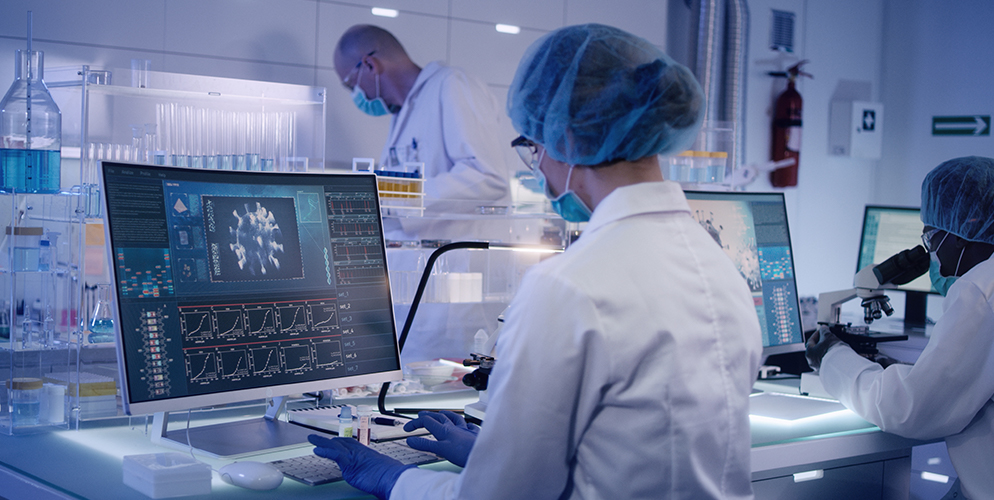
[[869, 285]]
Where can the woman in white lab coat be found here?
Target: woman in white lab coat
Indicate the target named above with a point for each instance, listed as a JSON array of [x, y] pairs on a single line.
[[625, 364], [948, 392]]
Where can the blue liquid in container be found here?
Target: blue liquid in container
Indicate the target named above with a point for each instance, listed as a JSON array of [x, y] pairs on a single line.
[[102, 330], [30, 170]]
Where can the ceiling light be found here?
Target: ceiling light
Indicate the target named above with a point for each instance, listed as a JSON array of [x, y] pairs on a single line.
[[377, 11], [508, 28]]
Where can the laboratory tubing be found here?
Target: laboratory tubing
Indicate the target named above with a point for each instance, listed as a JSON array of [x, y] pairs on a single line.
[[5, 315], [30, 130], [364, 412], [345, 422], [24, 395], [139, 72], [680, 167]]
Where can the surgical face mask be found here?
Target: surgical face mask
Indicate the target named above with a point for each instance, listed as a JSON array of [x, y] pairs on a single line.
[[372, 107], [568, 205], [939, 282]]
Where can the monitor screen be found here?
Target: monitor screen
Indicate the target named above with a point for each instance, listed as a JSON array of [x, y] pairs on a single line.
[[887, 231], [233, 286], [752, 230]]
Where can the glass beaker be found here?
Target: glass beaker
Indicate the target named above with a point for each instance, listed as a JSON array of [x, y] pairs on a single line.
[[30, 130], [24, 395], [102, 321]]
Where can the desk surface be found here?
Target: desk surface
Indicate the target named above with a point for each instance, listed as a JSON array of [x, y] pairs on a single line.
[[87, 463]]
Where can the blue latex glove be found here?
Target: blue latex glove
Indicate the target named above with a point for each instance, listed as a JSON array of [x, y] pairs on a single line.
[[454, 438], [368, 470], [818, 345]]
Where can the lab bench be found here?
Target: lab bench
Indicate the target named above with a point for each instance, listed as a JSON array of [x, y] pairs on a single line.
[[826, 456]]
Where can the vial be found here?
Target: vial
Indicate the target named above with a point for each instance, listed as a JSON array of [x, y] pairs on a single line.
[[365, 412], [345, 422], [24, 395]]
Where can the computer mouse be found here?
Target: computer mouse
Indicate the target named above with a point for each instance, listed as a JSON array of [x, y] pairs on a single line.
[[252, 475]]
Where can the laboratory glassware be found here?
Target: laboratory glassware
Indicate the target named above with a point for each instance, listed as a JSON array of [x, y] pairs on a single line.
[[30, 130]]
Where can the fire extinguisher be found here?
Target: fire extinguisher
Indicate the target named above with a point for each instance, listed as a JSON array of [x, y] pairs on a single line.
[[787, 128]]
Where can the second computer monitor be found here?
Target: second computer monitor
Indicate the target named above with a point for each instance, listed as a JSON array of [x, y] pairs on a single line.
[[887, 231], [752, 230]]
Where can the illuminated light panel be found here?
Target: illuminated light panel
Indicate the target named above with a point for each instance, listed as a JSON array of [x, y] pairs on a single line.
[[811, 475], [509, 29], [805, 420], [379, 11], [935, 478]]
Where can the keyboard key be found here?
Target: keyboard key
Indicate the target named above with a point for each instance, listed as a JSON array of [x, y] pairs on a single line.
[[314, 470]]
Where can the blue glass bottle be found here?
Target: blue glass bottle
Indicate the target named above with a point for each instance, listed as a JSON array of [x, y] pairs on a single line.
[[30, 130]]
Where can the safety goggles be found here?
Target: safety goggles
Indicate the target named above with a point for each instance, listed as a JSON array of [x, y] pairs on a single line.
[[347, 81], [527, 150], [927, 238]]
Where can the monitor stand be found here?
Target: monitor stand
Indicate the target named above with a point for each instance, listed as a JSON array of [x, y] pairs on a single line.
[[238, 438], [915, 310]]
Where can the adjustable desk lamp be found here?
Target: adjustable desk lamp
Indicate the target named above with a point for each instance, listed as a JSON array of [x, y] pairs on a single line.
[[478, 245]]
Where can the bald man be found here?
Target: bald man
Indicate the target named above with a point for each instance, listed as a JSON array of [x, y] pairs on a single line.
[[440, 116]]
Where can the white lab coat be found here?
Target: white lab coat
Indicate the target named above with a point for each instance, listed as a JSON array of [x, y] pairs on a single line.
[[946, 393], [623, 370], [452, 122]]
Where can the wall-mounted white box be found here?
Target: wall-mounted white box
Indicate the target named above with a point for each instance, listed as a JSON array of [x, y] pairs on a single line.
[[856, 129]]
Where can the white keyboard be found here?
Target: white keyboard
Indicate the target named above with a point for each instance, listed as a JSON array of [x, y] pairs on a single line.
[[314, 470]]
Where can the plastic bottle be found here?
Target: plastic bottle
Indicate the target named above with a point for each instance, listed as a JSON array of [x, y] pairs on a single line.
[[30, 130], [345, 422], [365, 412], [480, 342]]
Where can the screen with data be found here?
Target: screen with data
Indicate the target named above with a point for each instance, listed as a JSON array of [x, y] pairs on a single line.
[[233, 285], [887, 231], [752, 230]]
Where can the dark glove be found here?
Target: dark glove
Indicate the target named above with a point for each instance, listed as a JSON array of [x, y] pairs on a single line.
[[454, 438], [368, 470], [885, 361], [818, 344]]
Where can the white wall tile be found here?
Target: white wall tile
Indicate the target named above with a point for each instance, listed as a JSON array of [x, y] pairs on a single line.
[[227, 68], [537, 14], [489, 55], [433, 7], [102, 22], [254, 30], [645, 18], [425, 38]]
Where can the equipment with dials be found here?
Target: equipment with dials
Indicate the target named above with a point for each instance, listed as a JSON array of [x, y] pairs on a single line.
[[869, 284]]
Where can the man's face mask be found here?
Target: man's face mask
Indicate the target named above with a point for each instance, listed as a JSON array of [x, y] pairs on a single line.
[[373, 107], [939, 282]]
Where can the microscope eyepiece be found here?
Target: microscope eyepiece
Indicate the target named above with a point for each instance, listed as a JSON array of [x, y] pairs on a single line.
[[902, 267]]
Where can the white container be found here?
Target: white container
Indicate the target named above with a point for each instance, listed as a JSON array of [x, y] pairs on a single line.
[[167, 475]]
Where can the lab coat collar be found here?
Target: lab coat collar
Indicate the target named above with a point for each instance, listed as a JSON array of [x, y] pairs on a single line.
[[397, 123], [638, 199]]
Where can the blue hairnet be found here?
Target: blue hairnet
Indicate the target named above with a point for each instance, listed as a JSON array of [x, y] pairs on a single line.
[[592, 94], [958, 197]]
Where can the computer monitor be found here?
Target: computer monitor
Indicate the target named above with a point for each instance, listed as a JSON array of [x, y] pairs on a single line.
[[886, 231], [234, 286], [752, 230]]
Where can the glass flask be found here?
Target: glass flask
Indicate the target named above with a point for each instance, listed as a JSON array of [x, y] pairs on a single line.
[[30, 130], [102, 321]]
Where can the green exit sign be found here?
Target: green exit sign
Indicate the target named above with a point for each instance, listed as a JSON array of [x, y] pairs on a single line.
[[961, 125]]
